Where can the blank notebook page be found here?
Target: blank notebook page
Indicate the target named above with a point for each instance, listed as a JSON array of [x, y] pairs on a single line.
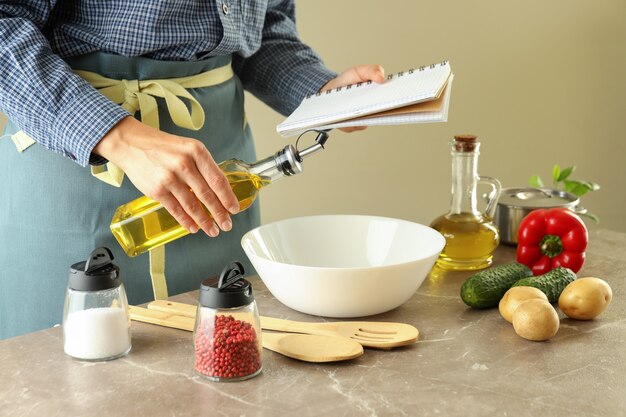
[[412, 86]]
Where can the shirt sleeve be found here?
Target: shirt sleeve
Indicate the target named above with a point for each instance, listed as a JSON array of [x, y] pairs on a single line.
[[40, 93], [284, 70]]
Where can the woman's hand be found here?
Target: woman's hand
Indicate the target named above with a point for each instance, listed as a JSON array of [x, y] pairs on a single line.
[[355, 75], [178, 172]]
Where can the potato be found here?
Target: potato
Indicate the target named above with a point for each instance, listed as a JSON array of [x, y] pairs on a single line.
[[536, 320], [514, 296], [585, 298]]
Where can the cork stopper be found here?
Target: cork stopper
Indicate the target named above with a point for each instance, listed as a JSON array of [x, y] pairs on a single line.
[[465, 143]]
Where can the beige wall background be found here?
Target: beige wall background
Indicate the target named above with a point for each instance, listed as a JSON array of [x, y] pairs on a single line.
[[539, 82]]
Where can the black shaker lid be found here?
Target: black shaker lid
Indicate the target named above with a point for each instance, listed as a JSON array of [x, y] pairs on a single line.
[[96, 273], [229, 290]]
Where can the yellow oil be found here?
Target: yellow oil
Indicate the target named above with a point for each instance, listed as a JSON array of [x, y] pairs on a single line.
[[471, 240], [143, 224]]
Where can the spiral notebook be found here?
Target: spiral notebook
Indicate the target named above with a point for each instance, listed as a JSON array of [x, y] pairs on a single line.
[[420, 95]]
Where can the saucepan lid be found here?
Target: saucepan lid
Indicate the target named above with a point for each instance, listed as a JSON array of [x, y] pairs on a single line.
[[536, 198]]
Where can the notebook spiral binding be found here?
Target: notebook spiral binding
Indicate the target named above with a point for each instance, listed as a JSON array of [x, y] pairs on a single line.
[[389, 77]]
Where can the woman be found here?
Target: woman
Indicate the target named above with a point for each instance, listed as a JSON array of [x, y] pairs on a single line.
[[75, 77]]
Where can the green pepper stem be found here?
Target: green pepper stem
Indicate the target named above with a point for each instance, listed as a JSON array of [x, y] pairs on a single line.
[[551, 246]]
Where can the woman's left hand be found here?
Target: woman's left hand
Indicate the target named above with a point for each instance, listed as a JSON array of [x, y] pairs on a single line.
[[355, 75]]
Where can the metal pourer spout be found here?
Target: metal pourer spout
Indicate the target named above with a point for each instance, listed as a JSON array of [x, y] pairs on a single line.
[[320, 140], [289, 159]]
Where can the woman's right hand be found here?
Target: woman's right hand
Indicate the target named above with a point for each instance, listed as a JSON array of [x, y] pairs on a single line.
[[178, 172]]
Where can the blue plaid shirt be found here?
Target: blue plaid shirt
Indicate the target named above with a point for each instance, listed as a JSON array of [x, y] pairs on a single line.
[[40, 93]]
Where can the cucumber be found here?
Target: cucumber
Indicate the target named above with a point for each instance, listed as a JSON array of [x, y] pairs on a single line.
[[551, 283], [485, 288]]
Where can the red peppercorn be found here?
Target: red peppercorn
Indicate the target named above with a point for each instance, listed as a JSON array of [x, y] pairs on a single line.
[[228, 349]]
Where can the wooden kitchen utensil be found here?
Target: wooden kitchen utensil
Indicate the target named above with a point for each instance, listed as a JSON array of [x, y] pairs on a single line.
[[304, 347], [161, 318], [379, 335], [313, 348]]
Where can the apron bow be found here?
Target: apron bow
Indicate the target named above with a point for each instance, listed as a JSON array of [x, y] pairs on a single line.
[[140, 96]]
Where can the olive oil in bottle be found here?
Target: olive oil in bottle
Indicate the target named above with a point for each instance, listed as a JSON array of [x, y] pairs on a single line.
[[144, 224], [471, 237], [470, 240]]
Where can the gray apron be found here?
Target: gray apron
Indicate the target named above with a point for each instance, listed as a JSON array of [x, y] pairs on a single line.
[[53, 212]]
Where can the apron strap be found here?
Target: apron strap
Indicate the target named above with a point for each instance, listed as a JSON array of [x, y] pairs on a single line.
[[109, 173], [22, 140], [157, 272]]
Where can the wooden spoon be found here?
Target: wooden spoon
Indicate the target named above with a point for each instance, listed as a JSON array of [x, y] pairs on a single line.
[[304, 347], [379, 335], [312, 348]]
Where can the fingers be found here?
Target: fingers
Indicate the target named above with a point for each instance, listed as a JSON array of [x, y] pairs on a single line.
[[172, 205], [362, 73], [214, 192], [178, 172], [355, 75], [375, 73], [209, 187], [192, 208], [352, 128], [215, 178]]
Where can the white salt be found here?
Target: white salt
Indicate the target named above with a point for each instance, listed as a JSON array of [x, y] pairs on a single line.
[[97, 333]]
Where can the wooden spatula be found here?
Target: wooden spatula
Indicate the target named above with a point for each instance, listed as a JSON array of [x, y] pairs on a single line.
[[379, 335], [312, 348], [304, 347]]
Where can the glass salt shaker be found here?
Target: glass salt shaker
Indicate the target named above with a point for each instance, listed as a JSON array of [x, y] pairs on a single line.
[[227, 335], [96, 323]]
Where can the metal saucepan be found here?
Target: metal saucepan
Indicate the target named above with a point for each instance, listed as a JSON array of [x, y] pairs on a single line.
[[515, 203]]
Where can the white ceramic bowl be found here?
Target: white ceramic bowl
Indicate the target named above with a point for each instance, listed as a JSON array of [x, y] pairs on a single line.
[[343, 265]]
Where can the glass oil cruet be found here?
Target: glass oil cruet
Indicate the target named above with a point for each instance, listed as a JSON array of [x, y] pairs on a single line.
[[471, 237], [144, 224]]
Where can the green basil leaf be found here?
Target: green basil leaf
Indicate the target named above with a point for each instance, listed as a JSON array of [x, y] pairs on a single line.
[[565, 173], [593, 186], [535, 181], [556, 171], [591, 216], [577, 188]]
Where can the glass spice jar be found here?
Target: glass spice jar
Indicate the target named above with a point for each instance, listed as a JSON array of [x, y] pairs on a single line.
[[227, 337], [96, 325]]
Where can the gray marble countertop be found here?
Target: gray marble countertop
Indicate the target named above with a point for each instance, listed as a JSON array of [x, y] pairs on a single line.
[[466, 363]]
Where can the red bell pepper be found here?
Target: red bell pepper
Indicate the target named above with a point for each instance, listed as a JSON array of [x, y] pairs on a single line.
[[549, 238]]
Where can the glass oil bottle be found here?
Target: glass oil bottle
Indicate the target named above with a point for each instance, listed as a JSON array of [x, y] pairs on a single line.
[[144, 224], [471, 237]]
